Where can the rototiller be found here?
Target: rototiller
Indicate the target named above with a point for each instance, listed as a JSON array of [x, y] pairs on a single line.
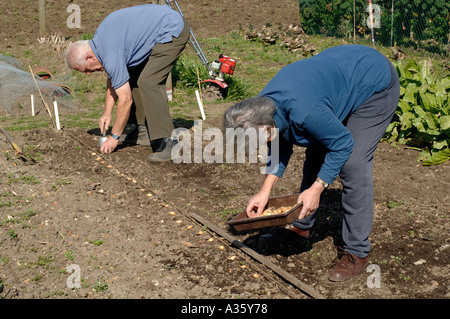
[[217, 69]]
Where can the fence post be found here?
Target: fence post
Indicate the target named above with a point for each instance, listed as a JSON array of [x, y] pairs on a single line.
[[41, 6], [354, 20], [392, 22]]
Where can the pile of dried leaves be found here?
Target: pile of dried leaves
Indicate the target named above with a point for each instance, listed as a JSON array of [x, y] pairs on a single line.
[[291, 37]]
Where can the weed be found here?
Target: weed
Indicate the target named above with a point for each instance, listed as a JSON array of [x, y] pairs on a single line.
[[5, 204], [21, 179], [38, 276], [4, 260], [44, 261], [101, 286], [12, 233], [397, 260], [30, 151], [393, 204], [97, 242], [87, 36], [62, 181], [20, 218], [28, 214], [69, 255], [224, 214], [404, 277]]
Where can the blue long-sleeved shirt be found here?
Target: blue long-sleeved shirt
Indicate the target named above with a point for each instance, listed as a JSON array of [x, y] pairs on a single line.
[[125, 38], [314, 96]]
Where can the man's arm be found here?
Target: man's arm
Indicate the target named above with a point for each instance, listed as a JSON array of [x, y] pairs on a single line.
[[110, 102], [125, 100]]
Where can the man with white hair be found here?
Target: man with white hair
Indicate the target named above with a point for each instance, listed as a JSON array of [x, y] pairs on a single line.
[[137, 47]]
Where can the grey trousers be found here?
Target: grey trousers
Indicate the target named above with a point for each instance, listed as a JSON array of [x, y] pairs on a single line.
[[367, 125], [148, 87]]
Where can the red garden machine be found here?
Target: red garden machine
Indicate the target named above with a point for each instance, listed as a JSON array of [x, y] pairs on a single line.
[[217, 69]]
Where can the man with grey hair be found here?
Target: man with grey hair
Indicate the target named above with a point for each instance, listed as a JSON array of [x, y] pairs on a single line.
[[137, 47], [338, 105]]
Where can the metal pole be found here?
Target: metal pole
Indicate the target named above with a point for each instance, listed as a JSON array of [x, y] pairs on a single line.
[[193, 41]]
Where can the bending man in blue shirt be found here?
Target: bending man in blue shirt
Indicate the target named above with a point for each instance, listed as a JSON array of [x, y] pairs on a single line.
[[137, 47], [338, 105]]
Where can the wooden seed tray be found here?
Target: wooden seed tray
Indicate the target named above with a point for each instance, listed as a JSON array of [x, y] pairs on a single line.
[[241, 222]]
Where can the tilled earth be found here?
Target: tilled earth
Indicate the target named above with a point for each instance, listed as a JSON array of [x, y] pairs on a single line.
[[127, 224]]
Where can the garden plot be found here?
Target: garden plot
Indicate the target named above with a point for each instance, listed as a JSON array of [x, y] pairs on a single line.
[[125, 223], [130, 235]]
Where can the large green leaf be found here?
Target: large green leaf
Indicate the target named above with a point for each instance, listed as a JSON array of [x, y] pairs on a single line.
[[418, 124], [406, 120], [404, 106], [438, 157], [419, 111], [432, 123], [440, 144], [444, 122], [425, 72], [410, 93]]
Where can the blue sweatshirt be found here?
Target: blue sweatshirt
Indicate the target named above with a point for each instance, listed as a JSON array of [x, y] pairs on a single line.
[[126, 37], [314, 96]]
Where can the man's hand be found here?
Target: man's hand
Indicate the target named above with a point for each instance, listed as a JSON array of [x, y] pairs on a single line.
[[310, 199], [109, 145], [104, 122], [256, 204], [123, 112]]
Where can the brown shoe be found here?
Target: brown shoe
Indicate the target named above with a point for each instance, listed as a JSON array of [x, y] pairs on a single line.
[[347, 267], [286, 234]]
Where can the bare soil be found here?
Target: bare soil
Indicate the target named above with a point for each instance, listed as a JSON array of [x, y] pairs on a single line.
[[126, 222]]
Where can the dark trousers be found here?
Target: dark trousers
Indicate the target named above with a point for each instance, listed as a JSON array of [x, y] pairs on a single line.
[[148, 87], [367, 125]]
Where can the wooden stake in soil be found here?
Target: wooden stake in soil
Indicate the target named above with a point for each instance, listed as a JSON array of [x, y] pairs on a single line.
[[200, 97], [41, 6], [32, 105], [200, 105], [55, 106]]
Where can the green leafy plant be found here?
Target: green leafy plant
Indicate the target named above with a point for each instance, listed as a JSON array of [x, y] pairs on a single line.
[[101, 286], [422, 119]]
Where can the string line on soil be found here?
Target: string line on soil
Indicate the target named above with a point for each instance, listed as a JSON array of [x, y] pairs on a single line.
[[306, 289]]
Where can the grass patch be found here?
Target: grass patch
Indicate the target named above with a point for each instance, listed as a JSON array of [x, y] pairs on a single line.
[[257, 63]]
